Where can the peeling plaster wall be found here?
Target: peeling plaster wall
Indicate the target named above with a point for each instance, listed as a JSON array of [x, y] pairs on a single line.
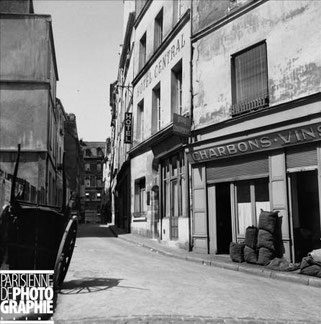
[[24, 48], [292, 33], [23, 117]]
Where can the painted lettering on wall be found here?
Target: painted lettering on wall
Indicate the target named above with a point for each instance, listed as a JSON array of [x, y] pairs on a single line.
[[161, 64], [269, 141]]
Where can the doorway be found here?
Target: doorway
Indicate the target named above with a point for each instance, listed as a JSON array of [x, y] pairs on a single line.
[[223, 218], [305, 213]]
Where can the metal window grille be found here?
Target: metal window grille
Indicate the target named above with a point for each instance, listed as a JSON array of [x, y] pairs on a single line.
[[250, 80]]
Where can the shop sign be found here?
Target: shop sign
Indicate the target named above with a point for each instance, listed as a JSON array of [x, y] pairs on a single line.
[[270, 141], [128, 128], [181, 125]]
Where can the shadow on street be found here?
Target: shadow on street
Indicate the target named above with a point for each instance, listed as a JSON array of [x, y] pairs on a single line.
[[94, 230], [87, 285]]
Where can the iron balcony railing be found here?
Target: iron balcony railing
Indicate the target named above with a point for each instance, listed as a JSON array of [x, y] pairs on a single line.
[[250, 105]]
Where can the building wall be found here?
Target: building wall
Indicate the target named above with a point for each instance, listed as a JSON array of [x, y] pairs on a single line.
[[28, 79], [294, 84], [24, 38], [160, 64], [293, 73], [178, 49]]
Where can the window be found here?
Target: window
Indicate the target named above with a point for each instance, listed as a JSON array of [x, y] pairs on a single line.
[[92, 181], [176, 11], [158, 31], [140, 121], [156, 109], [142, 52], [98, 166], [93, 167], [88, 152], [176, 89], [249, 80], [87, 182], [251, 197], [87, 167], [140, 194]]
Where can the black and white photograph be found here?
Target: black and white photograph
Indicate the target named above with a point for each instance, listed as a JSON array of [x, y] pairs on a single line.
[[160, 161]]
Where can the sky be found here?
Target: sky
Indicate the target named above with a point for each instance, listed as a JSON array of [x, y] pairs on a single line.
[[87, 37]]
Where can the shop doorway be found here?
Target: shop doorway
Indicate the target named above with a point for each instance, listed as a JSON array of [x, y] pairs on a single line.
[[223, 218], [305, 213]]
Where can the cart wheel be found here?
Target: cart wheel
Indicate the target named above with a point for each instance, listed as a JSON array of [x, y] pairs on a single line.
[[65, 252]]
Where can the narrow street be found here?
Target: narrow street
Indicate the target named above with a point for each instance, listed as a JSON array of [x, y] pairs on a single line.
[[113, 281]]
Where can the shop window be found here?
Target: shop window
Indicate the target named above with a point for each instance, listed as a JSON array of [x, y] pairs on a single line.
[[140, 121], [251, 197], [176, 88], [156, 109], [140, 195], [142, 51], [249, 80], [158, 31]]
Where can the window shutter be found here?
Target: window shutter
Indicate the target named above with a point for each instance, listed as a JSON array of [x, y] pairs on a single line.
[[238, 168], [301, 156]]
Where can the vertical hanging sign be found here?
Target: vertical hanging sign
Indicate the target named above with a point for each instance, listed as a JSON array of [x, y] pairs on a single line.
[[128, 128]]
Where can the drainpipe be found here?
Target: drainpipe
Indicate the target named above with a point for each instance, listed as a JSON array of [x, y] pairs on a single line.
[[188, 166]]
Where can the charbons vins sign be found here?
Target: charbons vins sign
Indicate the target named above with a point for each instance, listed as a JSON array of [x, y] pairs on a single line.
[[256, 144]]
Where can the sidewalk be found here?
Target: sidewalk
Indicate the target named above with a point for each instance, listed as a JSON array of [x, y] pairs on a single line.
[[220, 261]]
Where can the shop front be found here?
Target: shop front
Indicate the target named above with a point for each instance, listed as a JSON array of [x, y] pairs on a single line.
[[233, 180]]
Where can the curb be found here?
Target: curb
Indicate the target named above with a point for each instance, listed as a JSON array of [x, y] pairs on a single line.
[[261, 272]]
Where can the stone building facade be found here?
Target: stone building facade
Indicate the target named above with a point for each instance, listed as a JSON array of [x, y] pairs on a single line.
[[256, 121], [225, 121], [28, 111]]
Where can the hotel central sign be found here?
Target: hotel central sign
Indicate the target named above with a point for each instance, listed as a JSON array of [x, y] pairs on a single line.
[[156, 69], [269, 141]]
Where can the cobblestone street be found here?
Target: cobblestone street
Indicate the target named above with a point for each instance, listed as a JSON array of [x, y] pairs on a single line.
[[113, 281]]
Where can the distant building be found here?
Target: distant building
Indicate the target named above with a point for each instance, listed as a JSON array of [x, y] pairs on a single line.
[[74, 167], [106, 199], [28, 111], [94, 187]]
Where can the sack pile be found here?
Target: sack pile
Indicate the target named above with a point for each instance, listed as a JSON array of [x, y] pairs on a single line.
[[311, 265], [237, 252], [250, 249], [263, 243], [269, 242]]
